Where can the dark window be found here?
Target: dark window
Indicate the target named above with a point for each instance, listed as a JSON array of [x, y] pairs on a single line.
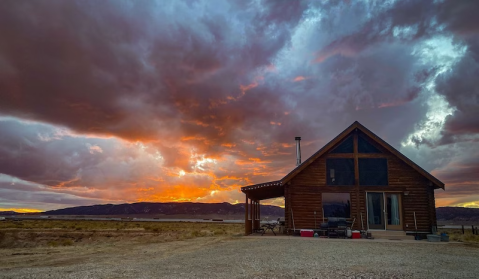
[[345, 147], [336, 205], [373, 171], [364, 146], [340, 171]]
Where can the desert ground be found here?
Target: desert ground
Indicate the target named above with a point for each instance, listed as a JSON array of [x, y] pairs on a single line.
[[94, 249]]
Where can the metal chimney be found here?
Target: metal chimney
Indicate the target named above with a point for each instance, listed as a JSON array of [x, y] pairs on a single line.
[[298, 150]]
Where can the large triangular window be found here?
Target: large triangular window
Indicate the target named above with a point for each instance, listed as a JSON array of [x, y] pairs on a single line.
[[345, 147], [364, 146]]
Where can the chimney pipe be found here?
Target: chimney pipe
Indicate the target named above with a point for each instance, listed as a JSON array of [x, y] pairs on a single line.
[[298, 151]]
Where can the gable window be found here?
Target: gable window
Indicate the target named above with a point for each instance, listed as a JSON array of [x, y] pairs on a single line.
[[340, 171], [373, 171], [336, 205], [345, 147], [364, 146]]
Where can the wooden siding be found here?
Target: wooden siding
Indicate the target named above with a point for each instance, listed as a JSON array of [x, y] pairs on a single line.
[[303, 194]]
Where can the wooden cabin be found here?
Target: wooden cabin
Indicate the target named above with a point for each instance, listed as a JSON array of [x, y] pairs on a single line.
[[357, 176]]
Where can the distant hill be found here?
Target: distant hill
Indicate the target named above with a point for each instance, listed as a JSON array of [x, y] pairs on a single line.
[[161, 209], [457, 214], [5, 213]]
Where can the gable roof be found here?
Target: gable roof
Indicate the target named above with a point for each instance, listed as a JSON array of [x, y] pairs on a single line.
[[356, 125]]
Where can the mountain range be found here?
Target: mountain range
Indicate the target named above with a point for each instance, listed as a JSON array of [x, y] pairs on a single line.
[[457, 214], [6, 213], [168, 209], [223, 210]]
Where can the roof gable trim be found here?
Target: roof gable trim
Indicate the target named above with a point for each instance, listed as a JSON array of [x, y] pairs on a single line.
[[346, 132]]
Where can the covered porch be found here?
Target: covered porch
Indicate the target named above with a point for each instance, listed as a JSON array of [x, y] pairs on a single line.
[[255, 194]]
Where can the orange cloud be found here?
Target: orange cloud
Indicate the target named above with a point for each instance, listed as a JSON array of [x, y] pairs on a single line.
[[299, 78], [393, 104], [248, 87], [271, 68], [229, 145]]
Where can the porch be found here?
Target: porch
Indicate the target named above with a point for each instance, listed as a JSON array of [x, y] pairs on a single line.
[[254, 195]]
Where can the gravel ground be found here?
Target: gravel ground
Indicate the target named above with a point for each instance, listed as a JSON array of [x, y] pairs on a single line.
[[246, 257]]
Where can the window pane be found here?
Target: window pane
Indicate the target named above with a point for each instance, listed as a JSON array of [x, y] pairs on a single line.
[[373, 171], [365, 147], [340, 171], [345, 147], [336, 205]]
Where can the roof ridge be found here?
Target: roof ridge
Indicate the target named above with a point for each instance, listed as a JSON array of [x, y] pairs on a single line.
[[343, 134]]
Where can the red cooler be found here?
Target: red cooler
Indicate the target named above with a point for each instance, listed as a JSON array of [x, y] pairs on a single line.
[[356, 235], [307, 233]]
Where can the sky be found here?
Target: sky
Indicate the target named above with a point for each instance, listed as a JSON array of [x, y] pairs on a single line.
[[128, 101]]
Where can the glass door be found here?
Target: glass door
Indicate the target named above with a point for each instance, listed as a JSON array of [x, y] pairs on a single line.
[[375, 211], [393, 211]]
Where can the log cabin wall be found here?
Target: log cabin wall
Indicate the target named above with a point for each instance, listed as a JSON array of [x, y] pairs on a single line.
[[303, 194], [287, 207]]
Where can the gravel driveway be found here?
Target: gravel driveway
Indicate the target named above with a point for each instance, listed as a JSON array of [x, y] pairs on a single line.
[[246, 257]]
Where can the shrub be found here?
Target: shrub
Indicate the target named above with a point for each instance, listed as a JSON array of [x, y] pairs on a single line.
[[52, 243], [67, 242]]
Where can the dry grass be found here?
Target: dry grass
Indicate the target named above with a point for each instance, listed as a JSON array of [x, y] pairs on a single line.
[[33, 233], [456, 235]]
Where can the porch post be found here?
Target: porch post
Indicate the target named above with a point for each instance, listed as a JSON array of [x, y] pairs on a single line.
[[247, 223], [259, 210], [253, 214], [257, 218]]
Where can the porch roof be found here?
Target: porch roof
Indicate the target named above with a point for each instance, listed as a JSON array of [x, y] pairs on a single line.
[[263, 191]]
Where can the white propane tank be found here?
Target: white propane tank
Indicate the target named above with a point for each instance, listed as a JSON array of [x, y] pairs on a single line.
[[348, 232]]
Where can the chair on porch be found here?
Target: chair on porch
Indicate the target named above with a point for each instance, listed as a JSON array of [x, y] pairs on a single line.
[[270, 226]]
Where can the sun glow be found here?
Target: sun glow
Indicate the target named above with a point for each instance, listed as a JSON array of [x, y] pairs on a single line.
[[21, 210]]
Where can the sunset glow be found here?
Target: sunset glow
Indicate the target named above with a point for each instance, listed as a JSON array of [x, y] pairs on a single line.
[[21, 210]]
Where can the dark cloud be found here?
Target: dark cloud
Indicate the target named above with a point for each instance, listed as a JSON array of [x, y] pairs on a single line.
[[460, 87], [136, 69], [459, 16], [408, 21]]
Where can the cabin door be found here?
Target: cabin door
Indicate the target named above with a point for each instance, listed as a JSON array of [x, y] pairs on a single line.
[[375, 202], [384, 211], [393, 211]]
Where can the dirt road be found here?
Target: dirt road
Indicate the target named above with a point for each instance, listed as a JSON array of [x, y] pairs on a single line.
[[244, 257]]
